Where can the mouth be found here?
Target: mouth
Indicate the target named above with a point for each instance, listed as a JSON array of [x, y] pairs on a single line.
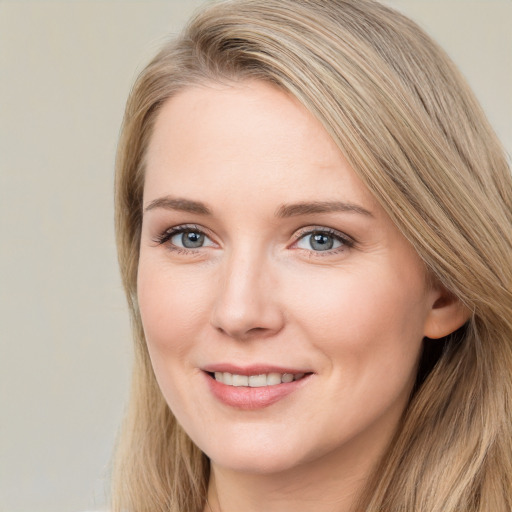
[[255, 387], [256, 381]]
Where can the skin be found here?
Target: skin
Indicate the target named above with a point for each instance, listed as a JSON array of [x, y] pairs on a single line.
[[257, 292]]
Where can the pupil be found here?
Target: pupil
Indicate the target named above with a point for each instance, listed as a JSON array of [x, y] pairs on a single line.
[[321, 242], [192, 240]]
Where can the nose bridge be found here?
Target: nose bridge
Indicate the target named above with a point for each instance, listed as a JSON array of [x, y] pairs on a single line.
[[244, 303]]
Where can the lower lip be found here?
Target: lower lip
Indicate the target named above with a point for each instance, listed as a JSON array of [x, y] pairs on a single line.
[[248, 398]]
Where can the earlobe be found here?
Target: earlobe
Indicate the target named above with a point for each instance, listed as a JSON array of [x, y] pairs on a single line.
[[446, 315]]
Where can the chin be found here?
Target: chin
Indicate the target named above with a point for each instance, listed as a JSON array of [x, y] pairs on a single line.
[[256, 455], [261, 464]]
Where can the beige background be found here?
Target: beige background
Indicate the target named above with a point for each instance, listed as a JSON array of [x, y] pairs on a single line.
[[65, 71]]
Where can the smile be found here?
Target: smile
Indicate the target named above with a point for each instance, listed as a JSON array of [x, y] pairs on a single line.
[[253, 387], [256, 381]]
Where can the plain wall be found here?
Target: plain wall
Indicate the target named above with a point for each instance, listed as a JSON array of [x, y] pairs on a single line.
[[65, 71]]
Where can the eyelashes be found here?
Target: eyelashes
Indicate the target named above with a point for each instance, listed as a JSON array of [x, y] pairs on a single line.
[[317, 240]]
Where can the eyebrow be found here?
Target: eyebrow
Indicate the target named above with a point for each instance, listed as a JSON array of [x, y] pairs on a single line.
[[284, 211], [183, 205], [308, 208]]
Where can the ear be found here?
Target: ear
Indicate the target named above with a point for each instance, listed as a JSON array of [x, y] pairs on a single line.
[[446, 315]]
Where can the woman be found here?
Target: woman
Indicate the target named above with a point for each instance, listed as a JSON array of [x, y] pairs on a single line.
[[314, 232]]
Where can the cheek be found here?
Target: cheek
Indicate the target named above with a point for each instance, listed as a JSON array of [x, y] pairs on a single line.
[[368, 329], [365, 322], [172, 307]]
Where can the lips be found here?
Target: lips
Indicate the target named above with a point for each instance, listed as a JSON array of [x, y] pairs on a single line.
[[253, 387]]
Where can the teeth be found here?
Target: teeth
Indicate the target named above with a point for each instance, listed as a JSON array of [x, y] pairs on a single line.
[[256, 381], [273, 379], [240, 380]]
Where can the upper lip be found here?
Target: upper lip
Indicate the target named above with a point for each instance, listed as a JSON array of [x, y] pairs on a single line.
[[253, 369]]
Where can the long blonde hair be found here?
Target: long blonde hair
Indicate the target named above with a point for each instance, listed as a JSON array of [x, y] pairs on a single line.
[[405, 119]]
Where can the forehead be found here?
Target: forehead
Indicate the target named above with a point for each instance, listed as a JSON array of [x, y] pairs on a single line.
[[243, 138]]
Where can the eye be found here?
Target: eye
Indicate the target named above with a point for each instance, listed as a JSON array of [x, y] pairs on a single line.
[[184, 238], [323, 240], [188, 239]]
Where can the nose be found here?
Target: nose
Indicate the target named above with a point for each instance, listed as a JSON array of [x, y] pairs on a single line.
[[246, 304]]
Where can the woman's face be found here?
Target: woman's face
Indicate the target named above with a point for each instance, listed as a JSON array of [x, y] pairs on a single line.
[[283, 311]]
